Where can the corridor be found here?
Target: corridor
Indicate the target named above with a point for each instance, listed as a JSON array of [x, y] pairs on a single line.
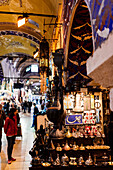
[[21, 148]]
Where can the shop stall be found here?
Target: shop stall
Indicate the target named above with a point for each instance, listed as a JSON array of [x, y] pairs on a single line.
[[80, 142]]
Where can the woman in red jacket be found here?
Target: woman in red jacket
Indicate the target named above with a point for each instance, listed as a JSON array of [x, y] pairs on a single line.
[[10, 129]]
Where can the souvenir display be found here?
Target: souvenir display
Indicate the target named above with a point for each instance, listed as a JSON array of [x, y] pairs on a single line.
[[78, 103], [57, 134], [46, 164], [81, 161], [82, 147], [89, 161], [72, 161], [92, 102], [66, 147], [68, 101], [110, 163], [103, 135], [52, 145], [81, 135], [75, 147], [64, 160], [50, 159], [97, 115], [68, 134], [98, 147], [75, 134], [89, 117], [58, 148], [36, 161], [92, 134], [57, 161], [87, 102]]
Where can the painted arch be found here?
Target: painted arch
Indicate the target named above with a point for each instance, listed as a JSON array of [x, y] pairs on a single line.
[[80, 45]]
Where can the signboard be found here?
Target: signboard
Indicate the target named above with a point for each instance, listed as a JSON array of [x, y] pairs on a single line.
[[73, 119]]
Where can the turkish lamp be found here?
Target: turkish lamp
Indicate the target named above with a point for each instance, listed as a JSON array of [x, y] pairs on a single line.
[[43, 62], [46, 62], [22, 20]]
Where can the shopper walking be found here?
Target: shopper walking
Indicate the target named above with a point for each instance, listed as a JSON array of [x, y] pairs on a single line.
[[29, 106], [35, 113], [25, 106], [15, 111], [10, 129], [2, 118], [7, 104]]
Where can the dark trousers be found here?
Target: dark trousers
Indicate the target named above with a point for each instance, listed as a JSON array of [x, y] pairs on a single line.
[[11, 141], [29, 109], [34, 118]]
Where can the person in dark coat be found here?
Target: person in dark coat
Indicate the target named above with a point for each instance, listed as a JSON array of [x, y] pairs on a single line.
[[25, 106], [2, 118], [35, 113], [29, 106]]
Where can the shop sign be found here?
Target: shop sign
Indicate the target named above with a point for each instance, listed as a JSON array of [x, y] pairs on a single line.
[[73, 119]]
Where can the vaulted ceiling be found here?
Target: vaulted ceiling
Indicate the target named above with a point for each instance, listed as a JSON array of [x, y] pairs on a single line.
[[20, 43]]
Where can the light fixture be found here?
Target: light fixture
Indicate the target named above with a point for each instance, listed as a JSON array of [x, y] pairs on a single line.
[[36, 53], [44, 55], [58, 57], [22, 20]]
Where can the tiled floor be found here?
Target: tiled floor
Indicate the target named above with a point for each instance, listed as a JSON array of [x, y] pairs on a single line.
[[21, 148]]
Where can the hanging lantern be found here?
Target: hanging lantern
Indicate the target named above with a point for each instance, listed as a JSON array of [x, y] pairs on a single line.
[[44, 55]]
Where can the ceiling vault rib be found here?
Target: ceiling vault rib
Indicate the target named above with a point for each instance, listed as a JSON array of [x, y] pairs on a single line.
[[33, 14]]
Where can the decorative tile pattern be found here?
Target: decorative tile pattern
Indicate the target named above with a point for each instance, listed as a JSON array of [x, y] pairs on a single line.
[[18, 33], [4, 2]]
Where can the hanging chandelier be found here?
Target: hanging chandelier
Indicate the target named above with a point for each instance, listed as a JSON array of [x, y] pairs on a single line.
[[44, 55]]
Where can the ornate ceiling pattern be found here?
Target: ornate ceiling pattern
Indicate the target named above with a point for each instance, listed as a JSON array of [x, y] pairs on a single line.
[[80, 45], [102, 19], [4, 2], [101, 16]]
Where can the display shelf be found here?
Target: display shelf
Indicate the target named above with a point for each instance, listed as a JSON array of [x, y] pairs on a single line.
[[79, 141], [72, 153], [71, 168]]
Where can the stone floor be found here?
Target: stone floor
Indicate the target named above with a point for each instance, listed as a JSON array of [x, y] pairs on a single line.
[[21, 148]]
